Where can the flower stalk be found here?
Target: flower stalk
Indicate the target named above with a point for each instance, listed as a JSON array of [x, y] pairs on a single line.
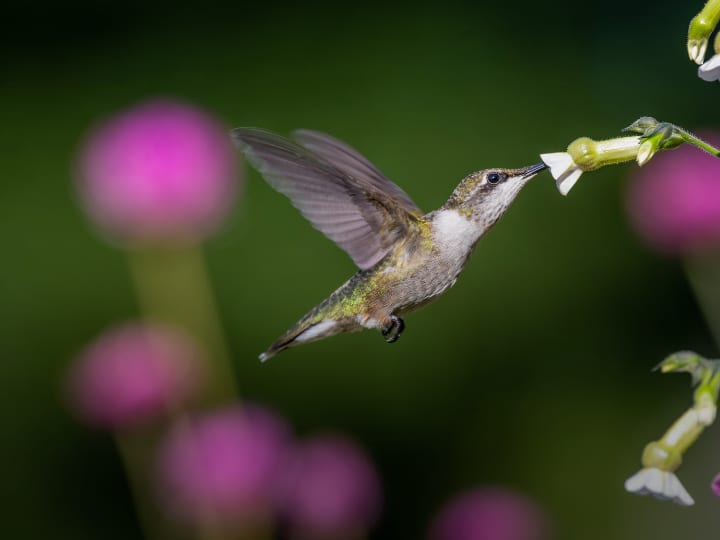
[[173, 287]]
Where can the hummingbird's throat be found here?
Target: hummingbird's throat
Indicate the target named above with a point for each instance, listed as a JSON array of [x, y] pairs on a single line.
[[456, 231]]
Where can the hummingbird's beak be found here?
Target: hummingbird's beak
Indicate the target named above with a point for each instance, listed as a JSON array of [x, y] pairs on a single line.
[[532, 170]]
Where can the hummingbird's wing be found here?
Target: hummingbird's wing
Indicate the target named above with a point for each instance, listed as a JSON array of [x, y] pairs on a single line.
[[339, 191], [352, 162]]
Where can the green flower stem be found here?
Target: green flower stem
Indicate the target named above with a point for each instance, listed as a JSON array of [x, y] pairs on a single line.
[[590, 155], [211, 529], [135, 452], [708, 389], [358, 535], [692, 139], [703, 274], [173, 287]]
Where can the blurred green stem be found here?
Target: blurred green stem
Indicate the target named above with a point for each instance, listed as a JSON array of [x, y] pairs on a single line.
[[263, 530], [346, 535], [173, 288], [703, 275], [134, 455]]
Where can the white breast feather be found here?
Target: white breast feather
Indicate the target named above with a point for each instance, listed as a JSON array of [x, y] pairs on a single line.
[[454, 233]]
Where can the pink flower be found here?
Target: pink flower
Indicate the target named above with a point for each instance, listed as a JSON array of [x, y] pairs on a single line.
[[220, 470], [131, 374], [331, 489], [674, 201], [490, 513], [715, 486], [162, 171]]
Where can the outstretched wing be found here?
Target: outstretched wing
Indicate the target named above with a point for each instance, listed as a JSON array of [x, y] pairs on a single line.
[[339, 191]]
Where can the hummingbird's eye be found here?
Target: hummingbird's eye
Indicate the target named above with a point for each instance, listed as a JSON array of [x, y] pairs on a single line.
[[495, 177]]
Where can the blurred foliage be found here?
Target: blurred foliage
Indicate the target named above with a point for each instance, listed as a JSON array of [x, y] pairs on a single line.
[[534, 371]]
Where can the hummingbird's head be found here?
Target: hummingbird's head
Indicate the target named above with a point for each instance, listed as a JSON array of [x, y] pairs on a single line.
[[484, 196]]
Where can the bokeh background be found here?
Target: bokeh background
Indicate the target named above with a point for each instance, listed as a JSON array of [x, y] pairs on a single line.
[[533, 372]]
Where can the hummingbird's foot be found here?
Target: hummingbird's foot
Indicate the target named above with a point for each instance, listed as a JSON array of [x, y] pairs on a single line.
[[392, 331]]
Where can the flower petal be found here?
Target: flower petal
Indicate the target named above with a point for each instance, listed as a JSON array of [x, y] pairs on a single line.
[[710, 70], [636, 483], [559, 162], [663, 485], [566, 182], [563, 169], [655, 481], [676, 492], [696, 49]]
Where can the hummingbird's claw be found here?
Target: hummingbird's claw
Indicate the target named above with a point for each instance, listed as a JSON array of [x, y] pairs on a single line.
[[392, 332]]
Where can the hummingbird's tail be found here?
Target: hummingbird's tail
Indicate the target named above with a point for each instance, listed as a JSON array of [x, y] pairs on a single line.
[[306, 330], [281, 344], [329, 317]]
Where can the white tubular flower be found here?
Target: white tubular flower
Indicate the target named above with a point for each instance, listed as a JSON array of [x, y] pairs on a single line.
[[701, 26], [710, 70], [563, 169], [662, 457], [585, 154], [663, 485]]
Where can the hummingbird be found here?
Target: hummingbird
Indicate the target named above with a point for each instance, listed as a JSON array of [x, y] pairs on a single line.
[[405, 258]]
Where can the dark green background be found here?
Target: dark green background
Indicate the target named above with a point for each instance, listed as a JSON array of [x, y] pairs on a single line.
[[533, 372]]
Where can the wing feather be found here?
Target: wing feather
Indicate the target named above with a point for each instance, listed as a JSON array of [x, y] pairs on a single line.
[[353, 163], [335, 188]]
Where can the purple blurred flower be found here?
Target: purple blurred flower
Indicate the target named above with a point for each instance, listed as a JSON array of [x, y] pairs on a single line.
[[133, 373], [160, 171], [715, 486], [330, 489], [490, 513], [674, 201], [220, 470]]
